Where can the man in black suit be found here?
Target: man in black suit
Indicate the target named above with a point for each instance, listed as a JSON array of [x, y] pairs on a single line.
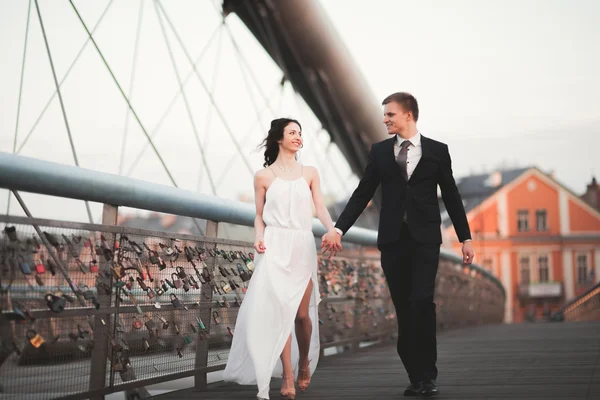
[[409, 168]]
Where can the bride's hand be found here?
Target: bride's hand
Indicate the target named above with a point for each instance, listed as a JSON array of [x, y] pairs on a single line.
[[259, 245]]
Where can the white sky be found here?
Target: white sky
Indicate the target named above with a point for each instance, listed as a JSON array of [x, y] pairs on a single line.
[[510, 83]]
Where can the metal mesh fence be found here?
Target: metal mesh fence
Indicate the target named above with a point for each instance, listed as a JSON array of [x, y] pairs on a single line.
[[149, 306]]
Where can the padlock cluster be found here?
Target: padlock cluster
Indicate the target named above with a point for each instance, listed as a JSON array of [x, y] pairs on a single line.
[[63, 267], [356, 300], [197, 279]]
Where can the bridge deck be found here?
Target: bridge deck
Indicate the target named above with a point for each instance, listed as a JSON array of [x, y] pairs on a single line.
[[530, 361]]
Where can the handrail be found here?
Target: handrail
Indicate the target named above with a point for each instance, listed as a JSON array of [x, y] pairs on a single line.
[[581, 296], [45, 177]]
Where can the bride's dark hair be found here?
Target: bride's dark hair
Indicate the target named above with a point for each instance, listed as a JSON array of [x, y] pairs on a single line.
[[275, 134]]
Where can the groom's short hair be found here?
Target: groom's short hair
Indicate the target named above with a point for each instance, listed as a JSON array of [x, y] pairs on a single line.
[[406, 100]]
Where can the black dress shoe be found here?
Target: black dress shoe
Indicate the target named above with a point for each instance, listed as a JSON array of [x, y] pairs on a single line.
[[414, 389], [429, 388]]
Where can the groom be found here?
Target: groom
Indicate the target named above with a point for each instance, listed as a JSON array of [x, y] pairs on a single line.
[[409, 168]]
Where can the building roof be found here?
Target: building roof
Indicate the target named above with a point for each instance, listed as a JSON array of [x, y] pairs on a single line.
[[474, 189]]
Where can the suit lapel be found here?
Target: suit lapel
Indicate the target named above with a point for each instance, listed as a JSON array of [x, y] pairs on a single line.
[[425, 150]]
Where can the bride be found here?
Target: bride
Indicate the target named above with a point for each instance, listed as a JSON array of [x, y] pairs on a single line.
[[283, 292]]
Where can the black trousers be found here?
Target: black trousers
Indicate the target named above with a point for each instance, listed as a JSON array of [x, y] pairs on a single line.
[[410, 268]]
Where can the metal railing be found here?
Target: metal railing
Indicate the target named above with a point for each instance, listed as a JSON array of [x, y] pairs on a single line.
[[91, 351], [585, 307]]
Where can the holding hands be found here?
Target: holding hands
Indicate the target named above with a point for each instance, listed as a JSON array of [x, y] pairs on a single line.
[[332, 242]]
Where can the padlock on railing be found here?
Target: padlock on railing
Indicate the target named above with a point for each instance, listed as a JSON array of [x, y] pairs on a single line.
[[243, 273], [181, 272], [93, 266], [142, 283], [177, 303], [177, 282], [193, 282], [165, 323], [34, 338], [151, 326], [82, 267], [55, 303], [226, 287], [40, 268], [137, 323]]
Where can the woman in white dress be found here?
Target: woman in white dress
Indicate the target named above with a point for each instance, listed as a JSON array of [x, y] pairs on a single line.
[[283, 292]]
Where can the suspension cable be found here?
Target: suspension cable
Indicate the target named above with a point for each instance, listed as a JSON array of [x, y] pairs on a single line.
[[167, 111], [20, 94], [37, 121], [185, 99], [209, 94], [62, 105], [131, 82], [213, 88], [129, 103]]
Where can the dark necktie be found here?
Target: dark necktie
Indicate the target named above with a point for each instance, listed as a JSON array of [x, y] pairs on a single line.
[[402, 156]]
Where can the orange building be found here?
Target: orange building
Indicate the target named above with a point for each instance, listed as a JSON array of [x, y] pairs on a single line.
[[540, 239]]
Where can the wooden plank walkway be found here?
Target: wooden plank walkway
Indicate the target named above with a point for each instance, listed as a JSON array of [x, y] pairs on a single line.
[[525, 361]]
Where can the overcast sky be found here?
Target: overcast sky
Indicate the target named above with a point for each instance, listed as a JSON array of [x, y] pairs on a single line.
[[511, 83]]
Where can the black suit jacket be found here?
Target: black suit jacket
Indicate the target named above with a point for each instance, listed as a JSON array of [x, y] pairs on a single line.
[[418, 196]]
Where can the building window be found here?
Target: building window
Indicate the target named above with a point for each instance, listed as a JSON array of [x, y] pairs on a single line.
[[543, 269], [524, 268], [582, 269], [523, 220], [541, 220], [487, 264]]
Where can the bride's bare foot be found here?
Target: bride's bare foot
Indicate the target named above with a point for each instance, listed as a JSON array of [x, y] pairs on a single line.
[[304, 377], [288, 391]]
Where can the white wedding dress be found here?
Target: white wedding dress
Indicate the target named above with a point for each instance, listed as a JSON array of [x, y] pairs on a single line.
[[282, 273]]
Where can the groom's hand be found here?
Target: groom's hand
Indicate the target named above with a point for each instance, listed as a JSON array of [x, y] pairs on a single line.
[[468, 253]]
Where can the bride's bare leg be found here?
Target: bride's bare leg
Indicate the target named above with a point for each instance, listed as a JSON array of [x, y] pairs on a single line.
[[287, 384], [303, 334], [304, 327]]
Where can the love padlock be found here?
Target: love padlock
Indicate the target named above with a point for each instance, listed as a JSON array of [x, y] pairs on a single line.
[[151, 326], [137, 323], [193, 282], [176, 280], [87, 292], [175, 301], [243, 273], [24, 266], [233, 285], [153, 257], [164, 322], [250, 262], [93, 266], [181, 272], [142, 283], [34, 338], [226, 287], [216, 317], [55, 303], [40, 268], [186, 285], [200, 323], [151, 293]]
